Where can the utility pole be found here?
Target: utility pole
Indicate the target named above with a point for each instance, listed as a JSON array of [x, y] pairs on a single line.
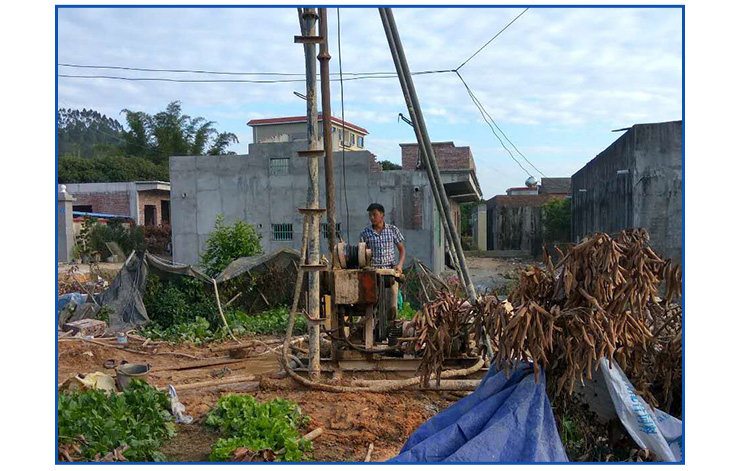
[[307, 19], [324, 58], [425, 145]]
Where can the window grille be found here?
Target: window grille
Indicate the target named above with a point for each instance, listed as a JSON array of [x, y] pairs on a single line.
[[279, 166], [325, 233], [282, 232]]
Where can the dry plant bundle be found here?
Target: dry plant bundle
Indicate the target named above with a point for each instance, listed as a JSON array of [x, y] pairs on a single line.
[[602, 300]]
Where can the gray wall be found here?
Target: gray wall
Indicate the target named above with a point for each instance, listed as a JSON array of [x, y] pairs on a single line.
[[241, 187], [649, 195]]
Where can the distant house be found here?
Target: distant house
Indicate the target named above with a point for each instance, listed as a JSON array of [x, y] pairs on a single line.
[[345, 135], [265, 187], [636, 182], [146, 203], [514, 220]]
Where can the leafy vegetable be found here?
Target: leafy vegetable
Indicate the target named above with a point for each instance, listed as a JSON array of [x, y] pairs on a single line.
[[274, 321], [139, 417], [272, 425]]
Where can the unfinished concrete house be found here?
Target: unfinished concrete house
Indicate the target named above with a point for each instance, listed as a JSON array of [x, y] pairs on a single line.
[[636, 182], [265, 187], [514, 220]]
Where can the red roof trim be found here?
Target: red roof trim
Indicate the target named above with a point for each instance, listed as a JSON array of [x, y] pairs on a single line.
[[302, 119]]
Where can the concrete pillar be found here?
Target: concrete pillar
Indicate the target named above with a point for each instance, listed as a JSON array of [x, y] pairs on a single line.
[[65, 229], [481, 239]]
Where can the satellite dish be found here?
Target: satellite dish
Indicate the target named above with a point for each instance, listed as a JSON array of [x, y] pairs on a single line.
[[531, 182]]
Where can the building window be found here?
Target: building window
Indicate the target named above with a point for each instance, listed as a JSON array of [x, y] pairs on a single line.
[[351, 139], [150, 215], [282, 232], [165, 211], [279, 166], [83, 208], [326, 233], [360, 141]]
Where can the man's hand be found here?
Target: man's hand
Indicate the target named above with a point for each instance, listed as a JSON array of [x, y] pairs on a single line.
[[399, 269]]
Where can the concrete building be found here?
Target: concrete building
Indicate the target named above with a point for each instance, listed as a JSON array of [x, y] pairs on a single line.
[[636, 182], [147, 203], [265, 187], [514, 220], [291, 129]]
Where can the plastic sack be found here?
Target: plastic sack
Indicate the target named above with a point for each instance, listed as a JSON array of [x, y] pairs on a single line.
[[178, 409], [651, 428], [503, 420]]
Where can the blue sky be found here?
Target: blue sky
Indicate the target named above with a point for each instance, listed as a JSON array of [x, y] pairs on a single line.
[[557, 81]]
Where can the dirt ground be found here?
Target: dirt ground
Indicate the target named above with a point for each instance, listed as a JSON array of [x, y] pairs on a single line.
[[494, 274], [351, 422]]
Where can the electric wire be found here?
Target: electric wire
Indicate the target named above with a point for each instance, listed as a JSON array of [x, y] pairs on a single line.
[[491, 40]]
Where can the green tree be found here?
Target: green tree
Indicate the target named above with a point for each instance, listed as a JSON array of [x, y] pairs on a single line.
[[388, 165], [556, 215], [227, 243], [87, 133], [170, 132], [110, 169]]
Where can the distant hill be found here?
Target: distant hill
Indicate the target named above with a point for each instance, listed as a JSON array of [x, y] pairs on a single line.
[[87, 133]]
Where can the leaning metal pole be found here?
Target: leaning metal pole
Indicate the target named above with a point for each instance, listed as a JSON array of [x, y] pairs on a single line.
[[407, 83], [308, 28], [324, 58], [422, 150]]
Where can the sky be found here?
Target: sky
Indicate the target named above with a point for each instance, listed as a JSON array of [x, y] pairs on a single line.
[[557, 81]]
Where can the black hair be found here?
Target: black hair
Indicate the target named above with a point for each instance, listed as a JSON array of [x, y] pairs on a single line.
[[377, 206]]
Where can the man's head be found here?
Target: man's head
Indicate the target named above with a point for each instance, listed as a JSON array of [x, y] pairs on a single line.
[[376, 212]]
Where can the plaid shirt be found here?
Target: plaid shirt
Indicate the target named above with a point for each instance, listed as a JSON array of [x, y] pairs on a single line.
[[383, 245]]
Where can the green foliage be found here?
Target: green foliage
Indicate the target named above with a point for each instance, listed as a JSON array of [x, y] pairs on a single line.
[[227, 243], [196, 332], [87, 133], [110, 169], [388, 165], [466, 213], [272, 425], [115, 231], [139, 417], [272, 322], [83, 242], [407, 312], [179, 300], [170, 132], [556, 216]]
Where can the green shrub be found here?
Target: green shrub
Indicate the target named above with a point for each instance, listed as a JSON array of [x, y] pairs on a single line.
[[139, 417], [110, 169], [227, 243], [407, 312], [115, 231], [272, 425], [556, 216], [195, 332], [180, 300], [272, 322]]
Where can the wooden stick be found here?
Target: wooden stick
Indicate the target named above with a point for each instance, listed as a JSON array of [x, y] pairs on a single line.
[[310, 436], [120, 347], [233, 299], [215, 382], [220, 311], [369, 452]]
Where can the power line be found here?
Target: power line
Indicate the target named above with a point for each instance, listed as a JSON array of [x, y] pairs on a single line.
[[483, 114], [491, 40], [167, 79], [214, 72]]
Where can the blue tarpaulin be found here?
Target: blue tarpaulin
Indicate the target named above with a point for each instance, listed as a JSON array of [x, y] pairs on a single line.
[[504, 420]]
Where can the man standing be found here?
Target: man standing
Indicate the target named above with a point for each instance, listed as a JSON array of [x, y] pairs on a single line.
[[382, 239]]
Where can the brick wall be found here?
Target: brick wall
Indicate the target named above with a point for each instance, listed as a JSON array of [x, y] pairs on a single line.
[[448, 156], [154, 198], [374, 164], [108, 202]]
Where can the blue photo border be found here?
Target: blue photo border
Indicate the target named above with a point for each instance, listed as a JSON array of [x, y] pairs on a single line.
[[56, 212]]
